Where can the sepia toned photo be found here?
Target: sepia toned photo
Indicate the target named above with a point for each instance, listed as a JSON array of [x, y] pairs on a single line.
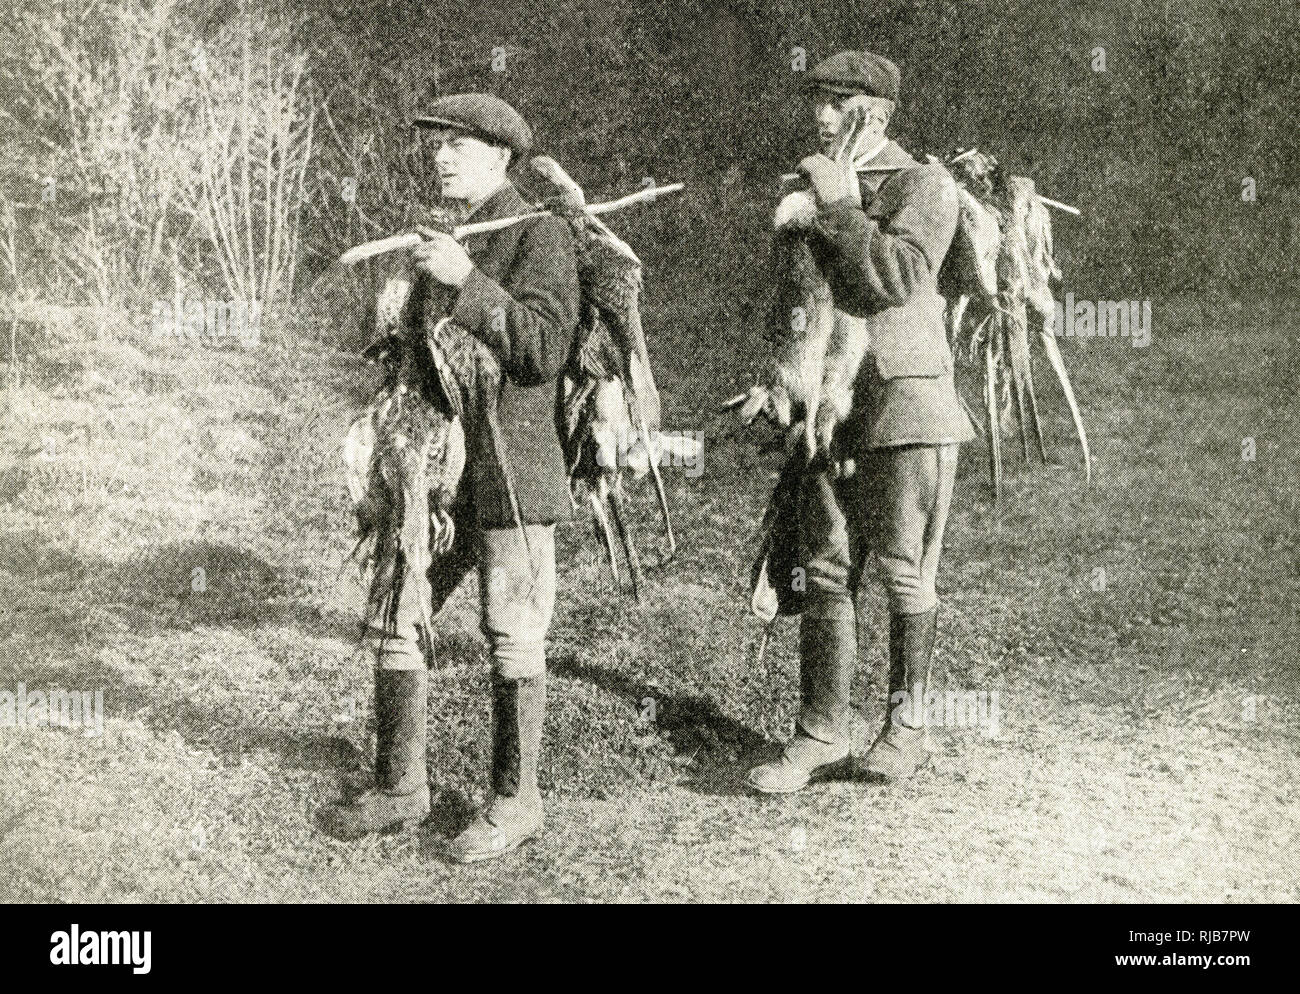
[[763, 451]]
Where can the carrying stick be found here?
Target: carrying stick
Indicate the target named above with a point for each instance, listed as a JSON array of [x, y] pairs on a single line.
[[410, 239]]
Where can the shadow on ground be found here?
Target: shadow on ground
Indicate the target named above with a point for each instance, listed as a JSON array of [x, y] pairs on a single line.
[[145, 596], [715, 749]]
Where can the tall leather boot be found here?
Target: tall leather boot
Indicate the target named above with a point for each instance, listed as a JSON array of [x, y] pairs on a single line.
[[828, 655], [401, 790], [900, 749], [513, 815]]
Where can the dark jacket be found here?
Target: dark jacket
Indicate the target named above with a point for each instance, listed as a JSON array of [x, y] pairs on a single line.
[[882, 261], [521, 300]]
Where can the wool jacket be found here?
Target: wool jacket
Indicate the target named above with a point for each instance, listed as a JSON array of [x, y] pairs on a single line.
[[882, 262], [522, 301]]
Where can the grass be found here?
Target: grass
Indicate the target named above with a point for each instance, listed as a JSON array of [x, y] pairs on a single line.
[[1149, 728]]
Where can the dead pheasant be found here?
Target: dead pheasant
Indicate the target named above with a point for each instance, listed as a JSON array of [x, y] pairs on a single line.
[[597, 424], [998, 281], [405, 453], [610, 410]]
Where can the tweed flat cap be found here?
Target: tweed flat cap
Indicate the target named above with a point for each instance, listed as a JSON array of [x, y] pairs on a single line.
[[483, 116], [856, 72]]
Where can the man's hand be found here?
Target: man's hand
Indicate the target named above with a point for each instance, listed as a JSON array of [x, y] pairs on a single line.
[[830, 180], [443, 258], [771, 401], [752, 403]]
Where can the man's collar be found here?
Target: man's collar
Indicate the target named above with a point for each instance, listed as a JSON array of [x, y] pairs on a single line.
[[501, 202], [863, 161], [889, 156]]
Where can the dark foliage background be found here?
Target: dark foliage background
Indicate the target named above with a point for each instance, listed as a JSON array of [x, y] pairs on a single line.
[[1195, 97]]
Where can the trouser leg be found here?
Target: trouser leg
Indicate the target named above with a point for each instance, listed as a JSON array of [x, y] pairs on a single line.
[[517, 597], [910, 490], [831, 543], [395, 628], [913, 486], [828, 639], [403, 649], [518, 600], [396, 633]]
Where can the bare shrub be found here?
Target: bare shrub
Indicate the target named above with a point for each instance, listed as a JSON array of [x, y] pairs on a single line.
[[132, 146], [258, 126]]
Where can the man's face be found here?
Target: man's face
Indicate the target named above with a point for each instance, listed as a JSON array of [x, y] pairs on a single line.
[[831, 112], [828, 111], [468, 167]]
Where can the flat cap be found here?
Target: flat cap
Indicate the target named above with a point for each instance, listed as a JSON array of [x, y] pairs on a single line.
[[851, 73], [483, 116]]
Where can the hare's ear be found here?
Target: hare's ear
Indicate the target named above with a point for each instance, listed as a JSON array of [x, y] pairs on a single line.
[[851, 129]]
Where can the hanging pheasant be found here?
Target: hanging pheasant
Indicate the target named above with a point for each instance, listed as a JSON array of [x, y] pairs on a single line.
[[609, 407], [405, 453], [997, 279]]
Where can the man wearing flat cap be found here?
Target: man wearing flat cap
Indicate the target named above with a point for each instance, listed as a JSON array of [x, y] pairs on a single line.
[[884, 223], [516, 290]]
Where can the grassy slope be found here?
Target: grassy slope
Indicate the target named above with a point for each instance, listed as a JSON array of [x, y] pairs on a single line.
[[1128, 766]]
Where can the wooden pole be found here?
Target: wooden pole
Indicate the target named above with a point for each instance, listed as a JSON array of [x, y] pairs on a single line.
[[412, 238]]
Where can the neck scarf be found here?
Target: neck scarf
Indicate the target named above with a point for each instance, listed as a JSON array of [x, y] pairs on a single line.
[[861, 160]]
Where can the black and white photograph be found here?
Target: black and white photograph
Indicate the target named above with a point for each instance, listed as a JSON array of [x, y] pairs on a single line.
[[661, 452]]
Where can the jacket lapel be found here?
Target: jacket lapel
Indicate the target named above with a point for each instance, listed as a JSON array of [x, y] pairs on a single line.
[[890, 157], [882, 167], [489, 249]]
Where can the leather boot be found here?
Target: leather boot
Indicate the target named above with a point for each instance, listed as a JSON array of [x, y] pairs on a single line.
[[827, 657], [401, 789], [900, 750], [513, 815]]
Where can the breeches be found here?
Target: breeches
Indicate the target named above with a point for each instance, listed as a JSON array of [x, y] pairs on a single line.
[[895, 506], [516, 600]]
